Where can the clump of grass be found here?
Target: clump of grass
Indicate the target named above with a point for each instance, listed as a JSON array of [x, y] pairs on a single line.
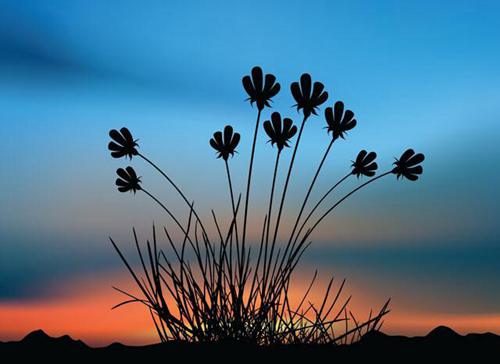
[[205, 288]]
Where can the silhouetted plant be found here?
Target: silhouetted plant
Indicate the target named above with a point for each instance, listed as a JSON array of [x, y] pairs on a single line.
[[339, 122], [123, 144], [128, 180], [213, 289], [280, 133], [407, 165], [365, 164], [306, 100], [309, 102], [260, 93], [259, 90], [225, 146]]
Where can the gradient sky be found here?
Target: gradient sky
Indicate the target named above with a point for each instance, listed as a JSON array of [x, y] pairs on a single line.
[[421, 74]]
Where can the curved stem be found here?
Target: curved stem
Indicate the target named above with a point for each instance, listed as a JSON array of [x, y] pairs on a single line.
[[344, 198], [249, 181], [287, 180], [266, 241], [167, 210], [276, 164], [232, 199], [319, 203], [176, 188], [231, 193], [283, 196], [186, 235], [310, 189]]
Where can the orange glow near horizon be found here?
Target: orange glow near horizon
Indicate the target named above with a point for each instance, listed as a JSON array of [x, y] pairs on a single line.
[[85, 313]]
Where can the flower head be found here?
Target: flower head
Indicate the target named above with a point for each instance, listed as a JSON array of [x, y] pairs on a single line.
[[128, 180], [364, 164], [306, 100], [279, 134], [407, 165], [338, 121], [260, 89], [123, 143], [225, 146]]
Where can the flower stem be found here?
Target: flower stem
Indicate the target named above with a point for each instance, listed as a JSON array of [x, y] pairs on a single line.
[[175, 187], [319, 203], [287, 181], [167, 210], [245, 216], [232, 199], [310, 189], [276, 164], [266, 242], [230, 188], [344, 198]]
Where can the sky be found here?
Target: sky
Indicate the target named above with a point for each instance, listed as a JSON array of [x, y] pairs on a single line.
[[419, 74]]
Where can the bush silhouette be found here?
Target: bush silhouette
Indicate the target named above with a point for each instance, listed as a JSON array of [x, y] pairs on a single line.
[[214, 289]]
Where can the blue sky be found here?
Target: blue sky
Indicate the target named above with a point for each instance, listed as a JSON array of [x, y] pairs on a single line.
[[421, 74]]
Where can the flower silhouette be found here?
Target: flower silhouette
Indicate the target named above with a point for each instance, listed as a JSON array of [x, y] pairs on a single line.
[[364, 164], [128, 180], [338, 121], [407, 165], [123, 143], [279, 134], [258, 91], [226, 146], [306, 100]]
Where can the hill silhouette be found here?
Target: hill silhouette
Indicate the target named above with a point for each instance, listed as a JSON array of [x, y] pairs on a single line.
[[442, 343]]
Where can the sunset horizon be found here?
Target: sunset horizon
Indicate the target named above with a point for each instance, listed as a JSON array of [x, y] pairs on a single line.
[[133, 134]]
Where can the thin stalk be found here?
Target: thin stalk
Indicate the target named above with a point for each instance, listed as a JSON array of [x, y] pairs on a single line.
[[319, 203], [245, 217], [234, 215], [292, 250], [232, 198], [276, 164], [283, 196], [186, 234], [285, 188], [344, 198], [266, 241], [174, 185], [310, 189], [167, 210]]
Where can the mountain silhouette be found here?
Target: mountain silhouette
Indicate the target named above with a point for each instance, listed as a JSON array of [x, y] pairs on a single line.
[[443, 332], [441, 343], [40, 338]]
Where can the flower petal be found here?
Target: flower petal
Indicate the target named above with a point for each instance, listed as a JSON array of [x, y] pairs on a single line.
[[370, 158], [127, 135], [305, 84], [339, 111], [322, 99], [114, 147], [257, 78], [269, 129], [117, 137], [269, 82], [416, 159], [295, 89], [317, 90], [228, 134], [248, 86], [121, 172]]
